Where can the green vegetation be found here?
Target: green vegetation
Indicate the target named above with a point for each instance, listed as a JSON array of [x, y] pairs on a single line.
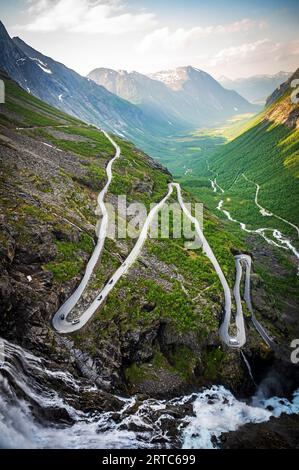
[[16, 97], [183, 153], [136, 374], [35, 212], [184, 361], [267, 152], [213, 360], [70, 260], [28, 116], [133, 168], [180, 362], [172, 304], [273, 163]]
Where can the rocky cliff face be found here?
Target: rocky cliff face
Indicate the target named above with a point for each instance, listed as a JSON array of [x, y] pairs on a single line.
[[279, 106], [282, 433]]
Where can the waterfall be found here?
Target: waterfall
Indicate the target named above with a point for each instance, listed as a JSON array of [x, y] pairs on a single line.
[[248, 367], [41, 407]]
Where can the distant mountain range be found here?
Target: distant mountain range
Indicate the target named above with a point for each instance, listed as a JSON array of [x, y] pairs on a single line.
[[257, 88], [65, 89], [134, 105], [142, 91], [185, 96]]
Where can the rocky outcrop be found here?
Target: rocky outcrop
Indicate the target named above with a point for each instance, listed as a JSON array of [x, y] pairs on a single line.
[[277, 433], [285, 111], [282, 89]]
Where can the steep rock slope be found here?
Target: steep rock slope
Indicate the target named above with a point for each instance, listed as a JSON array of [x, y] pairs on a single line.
[[282, 433]]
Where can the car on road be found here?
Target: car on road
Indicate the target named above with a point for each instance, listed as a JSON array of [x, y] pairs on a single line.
[[233, 342], [100, 298], [62, 316], [75, 322], [111, 282]]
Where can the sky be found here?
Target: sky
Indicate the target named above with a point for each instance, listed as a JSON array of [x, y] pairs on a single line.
[[233, 38]]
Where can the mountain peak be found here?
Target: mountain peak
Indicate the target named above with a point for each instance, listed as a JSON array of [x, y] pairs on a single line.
[[3, 32], [190, 69], [107, 71], [24, 46], [176, 78], [102, 70]]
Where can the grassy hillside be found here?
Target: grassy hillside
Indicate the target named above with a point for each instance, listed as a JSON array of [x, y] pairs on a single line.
[[184, 152], [267, 154]]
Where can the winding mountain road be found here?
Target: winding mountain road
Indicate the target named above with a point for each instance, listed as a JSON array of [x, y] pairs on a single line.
[[246, 260], [60, 321], [66, 308]]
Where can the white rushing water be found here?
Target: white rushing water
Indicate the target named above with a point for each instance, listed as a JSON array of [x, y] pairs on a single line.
[[30, 389], [248, 367]]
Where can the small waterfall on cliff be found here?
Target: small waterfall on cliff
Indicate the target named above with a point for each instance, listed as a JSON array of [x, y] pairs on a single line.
[[44, 407], [248, 367]]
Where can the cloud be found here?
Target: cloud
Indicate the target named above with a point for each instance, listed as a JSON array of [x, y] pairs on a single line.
[[85, 16], [258, 51], [164, 38]]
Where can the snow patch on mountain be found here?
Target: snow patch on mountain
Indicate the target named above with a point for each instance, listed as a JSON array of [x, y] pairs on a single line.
[[22, 60], [169, 77], [41, 65]]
